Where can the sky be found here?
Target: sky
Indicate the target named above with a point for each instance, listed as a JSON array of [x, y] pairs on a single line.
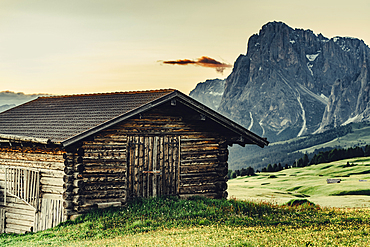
[[92, 46]]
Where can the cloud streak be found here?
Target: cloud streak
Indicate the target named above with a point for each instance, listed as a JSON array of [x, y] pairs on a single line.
[[203, 61]]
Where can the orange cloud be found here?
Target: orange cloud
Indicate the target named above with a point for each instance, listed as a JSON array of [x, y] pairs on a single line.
[[202, 61]]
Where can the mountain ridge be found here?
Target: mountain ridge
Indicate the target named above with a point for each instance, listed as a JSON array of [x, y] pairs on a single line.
[[292, 82]]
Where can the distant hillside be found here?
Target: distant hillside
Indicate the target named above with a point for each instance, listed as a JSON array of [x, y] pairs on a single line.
[[286, 152], [10, 99], [6, 107]]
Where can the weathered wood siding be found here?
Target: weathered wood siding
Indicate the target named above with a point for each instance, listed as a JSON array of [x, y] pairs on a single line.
[[19, 217], [153, 165], [95, 174], [119, 163], [203, 148], [203, 166], [25, 206]]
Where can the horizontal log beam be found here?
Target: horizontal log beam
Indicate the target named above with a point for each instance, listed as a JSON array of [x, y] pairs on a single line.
[[10, 227]]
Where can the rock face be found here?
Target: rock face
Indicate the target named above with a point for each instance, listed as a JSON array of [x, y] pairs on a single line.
[[292, 82], [209, 92]]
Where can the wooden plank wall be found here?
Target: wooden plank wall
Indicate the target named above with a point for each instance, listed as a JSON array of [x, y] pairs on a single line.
[[50, 214], [96, 171], [20, 217], [153, 163], [204, 153]]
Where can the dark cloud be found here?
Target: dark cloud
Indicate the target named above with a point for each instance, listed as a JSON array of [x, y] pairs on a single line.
[[202, 61]]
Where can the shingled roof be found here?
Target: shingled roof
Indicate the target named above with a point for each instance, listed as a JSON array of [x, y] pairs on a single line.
[[67, 119]]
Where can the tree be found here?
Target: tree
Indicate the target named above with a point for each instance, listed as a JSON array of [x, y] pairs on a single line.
[[314, 160], [233, 174], [229, 173], [367, 150], [280, 167], [275, 168], [300, 163], [270, 168], [243, 172], [264, 169], [359, 152], [250, 171], [321, 158], [305, 160]]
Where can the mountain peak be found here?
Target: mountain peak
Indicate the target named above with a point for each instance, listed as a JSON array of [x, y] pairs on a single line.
[[287, 84]]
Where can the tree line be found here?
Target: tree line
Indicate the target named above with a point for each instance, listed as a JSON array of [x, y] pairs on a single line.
[[317, 158]]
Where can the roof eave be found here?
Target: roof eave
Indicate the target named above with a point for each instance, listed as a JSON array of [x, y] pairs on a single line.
[[25, 139], [243, 133]]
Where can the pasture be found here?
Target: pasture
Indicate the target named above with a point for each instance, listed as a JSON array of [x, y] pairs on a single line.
[[261, 220], [310, 183]]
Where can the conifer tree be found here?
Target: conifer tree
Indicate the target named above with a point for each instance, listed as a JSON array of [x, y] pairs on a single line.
[[279, 167], [305, 160], [275, 168], [269, 168], [367, 150]]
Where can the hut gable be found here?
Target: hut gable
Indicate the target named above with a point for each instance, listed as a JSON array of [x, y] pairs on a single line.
[[62, 156]]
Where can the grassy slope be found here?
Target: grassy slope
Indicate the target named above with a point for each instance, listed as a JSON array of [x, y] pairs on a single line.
[[309, 182], [359, 135], [205, 222]]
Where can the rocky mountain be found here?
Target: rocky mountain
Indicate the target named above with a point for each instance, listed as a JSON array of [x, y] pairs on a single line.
[[292, 82], [209, 92]]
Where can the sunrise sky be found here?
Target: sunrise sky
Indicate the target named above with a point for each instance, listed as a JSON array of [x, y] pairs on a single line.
[[86, 46]]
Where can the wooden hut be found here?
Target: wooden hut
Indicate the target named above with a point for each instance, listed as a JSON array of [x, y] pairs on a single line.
[[62, 156]]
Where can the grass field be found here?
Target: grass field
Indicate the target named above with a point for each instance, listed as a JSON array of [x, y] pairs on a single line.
[[263, 220], [310, 182], [206, 222]]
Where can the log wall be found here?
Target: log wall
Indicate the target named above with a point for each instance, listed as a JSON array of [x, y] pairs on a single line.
[[95, 174], [191, 153], [203, 147], [20, 213], [106, 176], [203, 166]]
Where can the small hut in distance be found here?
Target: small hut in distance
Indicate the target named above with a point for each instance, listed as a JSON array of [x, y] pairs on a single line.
[[65, 155]]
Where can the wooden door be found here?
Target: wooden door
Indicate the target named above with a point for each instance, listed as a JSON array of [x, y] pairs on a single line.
[[153, 166]]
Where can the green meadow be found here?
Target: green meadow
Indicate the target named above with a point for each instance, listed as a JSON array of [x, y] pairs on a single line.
[[206, 222], [293, 207], [310, 183]]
